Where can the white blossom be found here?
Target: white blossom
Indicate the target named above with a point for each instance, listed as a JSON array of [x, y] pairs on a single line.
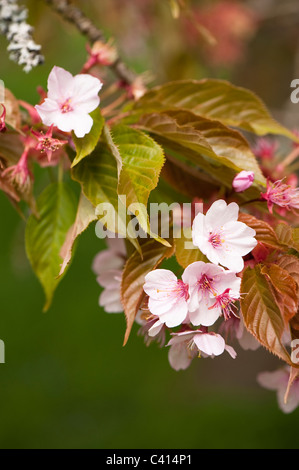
[[23, 50]]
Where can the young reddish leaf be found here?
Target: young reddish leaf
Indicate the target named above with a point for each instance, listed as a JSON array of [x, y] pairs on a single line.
[[264, 232], [288, 236], [85, 215], [285, 290], [291, 264], [215, 99], [186, 180], [136, 268], [262, 316]]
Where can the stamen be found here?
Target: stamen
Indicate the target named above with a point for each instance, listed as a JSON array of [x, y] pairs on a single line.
[[215, 239], [66, 107]]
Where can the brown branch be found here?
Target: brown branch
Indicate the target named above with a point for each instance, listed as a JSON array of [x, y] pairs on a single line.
[[74, 15]]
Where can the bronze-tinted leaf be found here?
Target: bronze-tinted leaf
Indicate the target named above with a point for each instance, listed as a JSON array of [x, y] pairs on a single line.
[[136, 268], [262, 316]]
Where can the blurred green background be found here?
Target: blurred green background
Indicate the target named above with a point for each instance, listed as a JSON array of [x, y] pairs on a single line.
[[68, 382]]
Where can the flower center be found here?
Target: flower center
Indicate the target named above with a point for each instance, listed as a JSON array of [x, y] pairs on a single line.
[[215, 239], [66, 106], [182, 289], [206, 284], [225, 302]]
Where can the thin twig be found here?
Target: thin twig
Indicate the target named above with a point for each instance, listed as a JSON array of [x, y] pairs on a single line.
[[74, 15]]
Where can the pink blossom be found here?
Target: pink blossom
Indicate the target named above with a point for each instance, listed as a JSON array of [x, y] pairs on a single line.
[[46, 143], [168, 297], [69, 102], [108, 266], [221, 237], [100, 54], [186, 345], [208, 285], [278, 380], [150, 328], [265, 148], [282, 195], [243, 181]]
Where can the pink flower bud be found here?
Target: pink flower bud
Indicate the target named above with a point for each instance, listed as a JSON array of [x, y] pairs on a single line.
[[243, 181]]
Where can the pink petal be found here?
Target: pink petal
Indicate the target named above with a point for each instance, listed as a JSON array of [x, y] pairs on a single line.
[[85, 92], [209, 343], [60, 84], [179, 356]]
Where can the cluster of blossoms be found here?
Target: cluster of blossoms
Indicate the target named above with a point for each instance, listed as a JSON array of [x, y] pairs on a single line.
[[206, 291], [23, 50], [200, 309], [66, 108]]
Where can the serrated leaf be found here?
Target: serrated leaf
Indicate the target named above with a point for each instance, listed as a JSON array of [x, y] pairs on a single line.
[[218, 150], [136, 268], [288, 236], [188, 181], [84, 217], [264, 232], [86, 145], [46, 235], [216, 99], [291, 264], [98, 176], [285, 290], [139, 161], [261, 314]]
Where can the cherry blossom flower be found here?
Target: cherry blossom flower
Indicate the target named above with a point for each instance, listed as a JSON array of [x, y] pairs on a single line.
[[70, 100], [243, 181], [208, 286], [265, 148], [221, 237], [186, 345], [46, 143], [168, 297], [100, 54], [278, 380], [282, 195], [108, 266], [149, 328]]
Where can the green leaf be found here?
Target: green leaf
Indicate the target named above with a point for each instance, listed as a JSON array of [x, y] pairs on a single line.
[[85, 215], [139, 161], [262, 316], [98, 176], [45, 236], [136, 268], [86, 145], [214, 99], [185, 252], [218, 150]]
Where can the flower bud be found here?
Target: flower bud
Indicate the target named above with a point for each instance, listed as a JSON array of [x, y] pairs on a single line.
[[243, 181]]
